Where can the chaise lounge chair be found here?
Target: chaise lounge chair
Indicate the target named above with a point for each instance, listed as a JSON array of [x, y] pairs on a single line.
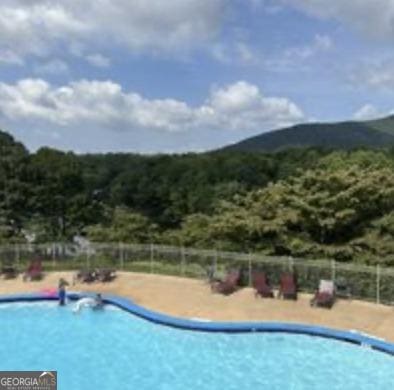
[[261, 285], [288, 286], [34, 271], [105, 274], [325, 295], [227, 286]]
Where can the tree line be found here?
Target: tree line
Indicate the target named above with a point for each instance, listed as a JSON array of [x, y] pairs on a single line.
[[306, 202]]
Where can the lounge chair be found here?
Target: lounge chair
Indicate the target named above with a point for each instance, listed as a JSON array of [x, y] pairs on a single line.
[[85, 276], [325, 295], [227, 286], [8, 270], [105, 274], [34, 271], [288, 286], [261, 285]]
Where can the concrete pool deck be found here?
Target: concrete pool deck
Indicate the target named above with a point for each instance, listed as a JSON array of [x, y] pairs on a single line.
[[191, 298]]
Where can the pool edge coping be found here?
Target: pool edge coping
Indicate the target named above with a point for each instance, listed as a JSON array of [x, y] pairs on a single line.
[[126, 304]]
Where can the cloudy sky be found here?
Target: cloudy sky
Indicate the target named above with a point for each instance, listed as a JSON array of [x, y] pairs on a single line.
[[181, 75]]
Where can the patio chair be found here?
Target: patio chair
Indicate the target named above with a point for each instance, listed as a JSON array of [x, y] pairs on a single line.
[[34, 271], [105, 275], [288, 286], [228, 285], [8, 270], [261, 285], [325, 295], [342, 288]]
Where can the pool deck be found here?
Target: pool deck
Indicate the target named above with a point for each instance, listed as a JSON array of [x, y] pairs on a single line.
[[190, 298]]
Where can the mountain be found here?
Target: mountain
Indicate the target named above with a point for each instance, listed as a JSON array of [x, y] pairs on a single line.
[[386, 125], [342, 135]]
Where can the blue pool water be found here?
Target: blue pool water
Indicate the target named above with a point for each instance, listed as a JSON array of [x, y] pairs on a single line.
[[116, 350]]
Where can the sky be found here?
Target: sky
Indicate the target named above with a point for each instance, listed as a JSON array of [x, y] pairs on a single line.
[[154, 76]]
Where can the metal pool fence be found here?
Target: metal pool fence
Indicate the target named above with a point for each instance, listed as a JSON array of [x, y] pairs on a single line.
[[374, 283]]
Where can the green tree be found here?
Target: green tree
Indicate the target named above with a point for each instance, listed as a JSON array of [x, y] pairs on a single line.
[[125, 226]]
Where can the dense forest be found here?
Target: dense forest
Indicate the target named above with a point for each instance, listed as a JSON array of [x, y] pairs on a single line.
[[307, 202]]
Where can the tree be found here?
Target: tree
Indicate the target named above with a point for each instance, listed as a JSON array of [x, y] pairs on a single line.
[[56, 179], [124, 226], [319, 213]]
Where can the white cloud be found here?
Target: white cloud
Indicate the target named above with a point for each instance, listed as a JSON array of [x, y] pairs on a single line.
[[98, 60], [271, 7], [369, 111], [240, 107], [372, 17], [54, 66], [298, 58], [238, 52], [37, 27], [30, 27], [377, 74], [320, 43], [10, 58], [366, 112], [246, 53]]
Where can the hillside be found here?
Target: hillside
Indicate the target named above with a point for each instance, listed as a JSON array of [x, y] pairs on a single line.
[[342, 135], [385, 125]]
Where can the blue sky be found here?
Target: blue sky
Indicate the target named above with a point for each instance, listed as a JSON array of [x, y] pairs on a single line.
[[188, 75]]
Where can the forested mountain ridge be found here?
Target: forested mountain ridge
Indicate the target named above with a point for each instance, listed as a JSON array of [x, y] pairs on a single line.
[[385, 125], [343, 135]]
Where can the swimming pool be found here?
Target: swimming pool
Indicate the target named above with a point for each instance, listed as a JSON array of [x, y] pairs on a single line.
[[114, 349]]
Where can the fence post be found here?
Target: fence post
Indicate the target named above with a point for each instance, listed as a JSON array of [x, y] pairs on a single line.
[[250, 270], [215, 262], [17, 255], [121, 256], [87, 259], [151, 258], [182, 261], [291, 265], [378, 283], [54, 256], [333, 270]]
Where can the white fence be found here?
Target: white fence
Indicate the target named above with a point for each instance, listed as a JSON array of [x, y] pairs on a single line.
[[366, 282]]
